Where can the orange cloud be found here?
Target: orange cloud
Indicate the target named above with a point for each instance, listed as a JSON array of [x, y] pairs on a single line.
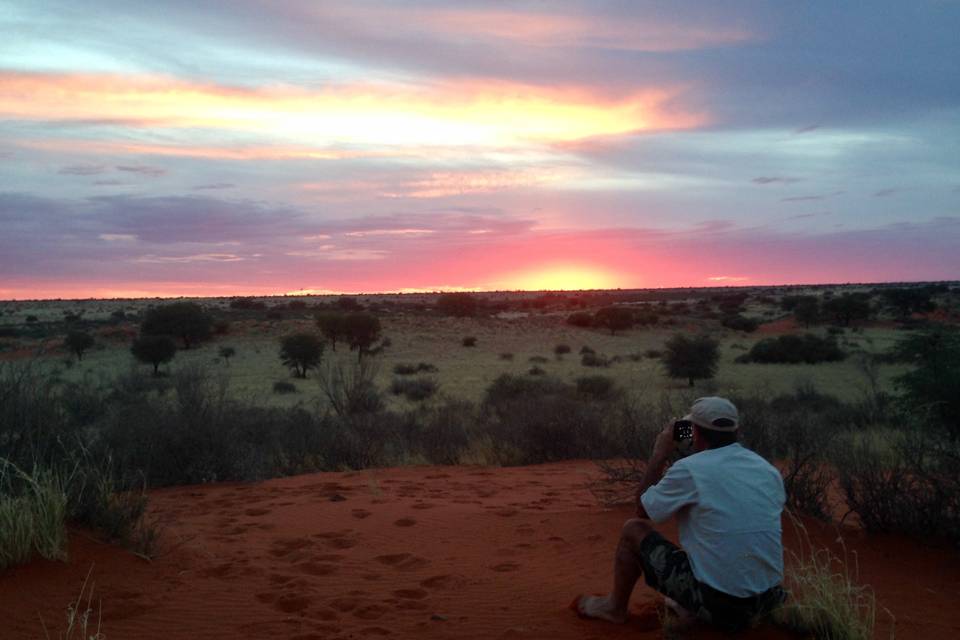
[[466, 113]]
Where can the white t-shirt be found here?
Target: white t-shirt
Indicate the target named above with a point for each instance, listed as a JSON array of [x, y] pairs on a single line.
[[728, 503]]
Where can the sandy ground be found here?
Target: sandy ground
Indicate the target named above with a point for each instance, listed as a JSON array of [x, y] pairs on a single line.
[[414, 552]]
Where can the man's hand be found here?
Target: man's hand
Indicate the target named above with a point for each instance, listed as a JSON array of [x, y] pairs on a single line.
[[664, 445], [662, 448]]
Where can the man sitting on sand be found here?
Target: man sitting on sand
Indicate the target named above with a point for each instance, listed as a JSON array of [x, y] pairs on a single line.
[[728, 501]]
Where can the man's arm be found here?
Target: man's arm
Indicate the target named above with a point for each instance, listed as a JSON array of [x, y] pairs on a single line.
[[656, 466]]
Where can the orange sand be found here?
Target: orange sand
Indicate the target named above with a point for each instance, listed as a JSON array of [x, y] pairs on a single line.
[[415, 552]]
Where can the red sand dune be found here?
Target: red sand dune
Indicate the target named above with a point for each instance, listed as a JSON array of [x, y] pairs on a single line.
[[415, 552]]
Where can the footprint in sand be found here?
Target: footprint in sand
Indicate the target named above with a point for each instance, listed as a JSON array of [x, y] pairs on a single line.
[[370, 612], [504, 567], [411, 594], [291, 603], [405, 522], [375, 631], [344, 605], [283, 548], [360, 514], [423, 505], [256, 512]]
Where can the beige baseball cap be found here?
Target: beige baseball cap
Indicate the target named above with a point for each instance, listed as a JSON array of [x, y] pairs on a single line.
[[714, 413]]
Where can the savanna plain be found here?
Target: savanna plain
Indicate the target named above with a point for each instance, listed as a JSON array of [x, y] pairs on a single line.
[[460, 465]]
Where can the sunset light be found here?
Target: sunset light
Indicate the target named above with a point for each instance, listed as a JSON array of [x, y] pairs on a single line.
[[564, 278]]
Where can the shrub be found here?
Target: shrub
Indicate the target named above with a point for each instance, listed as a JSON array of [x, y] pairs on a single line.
[[740, 323], [155, 350], [561, 350], [78, 342], [848, 308], [585, 349], [31, 318], [537, 371], [459, 305], [793, 349], [33, 510], [410, 369], [580, 319], [226, 353], [284, 386], [447, 431], [596, 387], [506, 356], [538, 359], [301, 352], [415, 390], [691, 358], [351, 390], [591, 359], [653, 354], [469, 341], [932, 387]]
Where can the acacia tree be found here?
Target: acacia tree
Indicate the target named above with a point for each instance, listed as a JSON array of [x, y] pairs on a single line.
[[848, 308], [301, 352], [614, 318], [691, 358], [154, 350], [78, 342], [185, 320], [362, 331], [931, 389], [333, 327]]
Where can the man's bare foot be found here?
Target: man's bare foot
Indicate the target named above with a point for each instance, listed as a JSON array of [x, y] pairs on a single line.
[[598, 607]]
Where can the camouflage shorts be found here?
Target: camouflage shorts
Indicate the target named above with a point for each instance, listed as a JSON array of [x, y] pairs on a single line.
[[666, 568]]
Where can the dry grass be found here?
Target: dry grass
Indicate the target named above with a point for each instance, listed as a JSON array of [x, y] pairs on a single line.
[[33, 511], [826, 599], [81, 623]]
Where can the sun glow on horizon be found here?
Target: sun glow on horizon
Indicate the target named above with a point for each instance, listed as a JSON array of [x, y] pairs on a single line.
[[562, 277]]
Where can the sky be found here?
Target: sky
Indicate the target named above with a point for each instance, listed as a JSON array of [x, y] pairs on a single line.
[[199, 148]]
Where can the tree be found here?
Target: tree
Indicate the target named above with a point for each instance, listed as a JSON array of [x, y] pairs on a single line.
[[154, 350], [362, 330], [226, 353], [848, 308], [185, 320], [460, 305], [614, 318], [910, 300], [333, 326], [931, 389], [807, 311], [691, 358], [301, 352], [78, 342]]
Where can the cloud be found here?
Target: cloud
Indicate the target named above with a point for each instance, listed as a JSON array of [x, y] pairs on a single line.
[[200, 257], [82, 170], [883, 193], [213, 186], [118, 237], [774, 180], [145, 170]]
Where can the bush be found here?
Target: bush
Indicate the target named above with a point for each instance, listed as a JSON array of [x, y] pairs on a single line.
[[614, 318], [932, 387], [792, 349], [653, 354], [596, 387], [459, 305], [78, 342], [33, 511], [155, 350], [585, 349], [561, 350], [284, 386], [538, 359], [591, 359], [447, 431], [415, 390], [537, 371], [740, 323], [185, 320], [469, 341], [580, 319], [506, 356], [410, 369]]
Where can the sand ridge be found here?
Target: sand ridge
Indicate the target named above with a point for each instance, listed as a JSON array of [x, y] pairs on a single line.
[[411, 552]]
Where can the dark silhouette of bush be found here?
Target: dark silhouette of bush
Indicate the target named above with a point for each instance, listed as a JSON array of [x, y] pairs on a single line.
[[586, 349], [301, 352], [226, 353], [740, 323], [614, 319], [284, 386], [247, 304], [691, 358], [349, 303], [469, 341], [653, 354], [78, 342], [596, 387], [155, 350], [907, 300], [645, 318], [538, 359], [458, 305], [184, 320], [506, 356], [416, 389], [537, 371], [930, 391], [561, 350], [580, 319], [792, 349], [591, 359]]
